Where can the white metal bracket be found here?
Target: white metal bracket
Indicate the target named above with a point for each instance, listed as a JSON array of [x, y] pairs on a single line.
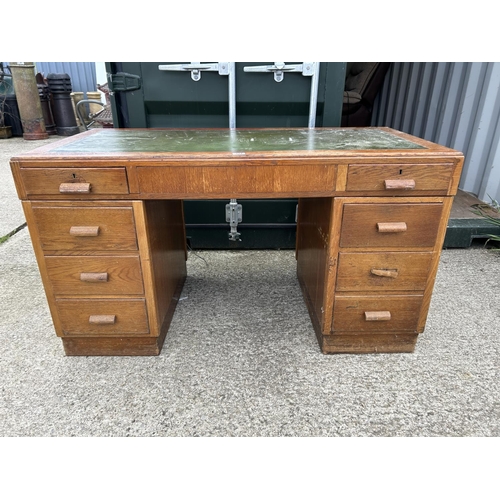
[[196, 68], [223, 68], [306, 68], [280, 68]]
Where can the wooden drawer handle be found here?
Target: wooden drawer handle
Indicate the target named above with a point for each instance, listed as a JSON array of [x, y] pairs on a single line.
[[75, 187], [405, 184], [391, 227], [102, 319], [386, 273], [377, 315], [94, 277], [84, 231]]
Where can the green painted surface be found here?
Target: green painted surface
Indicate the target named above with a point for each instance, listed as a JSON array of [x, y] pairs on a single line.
[[172, 99], [461, 232], [205, 140]]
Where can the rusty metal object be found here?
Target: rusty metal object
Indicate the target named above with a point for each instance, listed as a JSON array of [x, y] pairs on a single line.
[[62, 104], [44, 94], [28, 100]]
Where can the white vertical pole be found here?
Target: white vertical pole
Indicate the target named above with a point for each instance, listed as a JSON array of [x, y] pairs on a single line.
[[232, 95], [313, 101]]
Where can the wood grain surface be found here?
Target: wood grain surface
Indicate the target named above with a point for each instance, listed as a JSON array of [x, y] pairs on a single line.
[[106, 219], [58, 223]]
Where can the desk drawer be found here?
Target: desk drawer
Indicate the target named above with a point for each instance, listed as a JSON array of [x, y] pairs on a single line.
[[379, 271], [389, 313], [74, 181], [84, 275], [391, 225], [72, 228], [103, 317], [401, 179]]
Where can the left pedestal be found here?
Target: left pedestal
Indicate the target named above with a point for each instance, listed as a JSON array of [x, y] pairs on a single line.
[[112, 271]]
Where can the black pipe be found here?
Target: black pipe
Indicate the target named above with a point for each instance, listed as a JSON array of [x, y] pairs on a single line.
[[44, 93], [244, 225], [12, 116], [62, 106]]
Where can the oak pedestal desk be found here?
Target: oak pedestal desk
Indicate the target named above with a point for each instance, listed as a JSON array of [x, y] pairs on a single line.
[[105, 215]]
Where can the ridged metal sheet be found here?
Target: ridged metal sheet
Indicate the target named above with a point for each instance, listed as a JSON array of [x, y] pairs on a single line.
[[82, 74], [455, 104]]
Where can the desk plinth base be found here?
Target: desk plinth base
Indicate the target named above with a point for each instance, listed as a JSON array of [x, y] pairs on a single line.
[[115, 346], [366, 344]]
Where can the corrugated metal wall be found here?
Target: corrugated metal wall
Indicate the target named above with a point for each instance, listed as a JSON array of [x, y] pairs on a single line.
[[454, 104], [82, 74]]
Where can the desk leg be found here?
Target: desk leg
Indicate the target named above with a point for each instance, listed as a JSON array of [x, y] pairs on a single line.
[[313, 263], [164, 247]]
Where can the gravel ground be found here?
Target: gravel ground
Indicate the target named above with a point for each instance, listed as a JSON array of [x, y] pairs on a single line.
[[241, 359]]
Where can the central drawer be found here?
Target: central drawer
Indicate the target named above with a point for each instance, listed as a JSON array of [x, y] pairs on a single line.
[[83, 228], [82, 275], [390, 224], [281, 179]]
